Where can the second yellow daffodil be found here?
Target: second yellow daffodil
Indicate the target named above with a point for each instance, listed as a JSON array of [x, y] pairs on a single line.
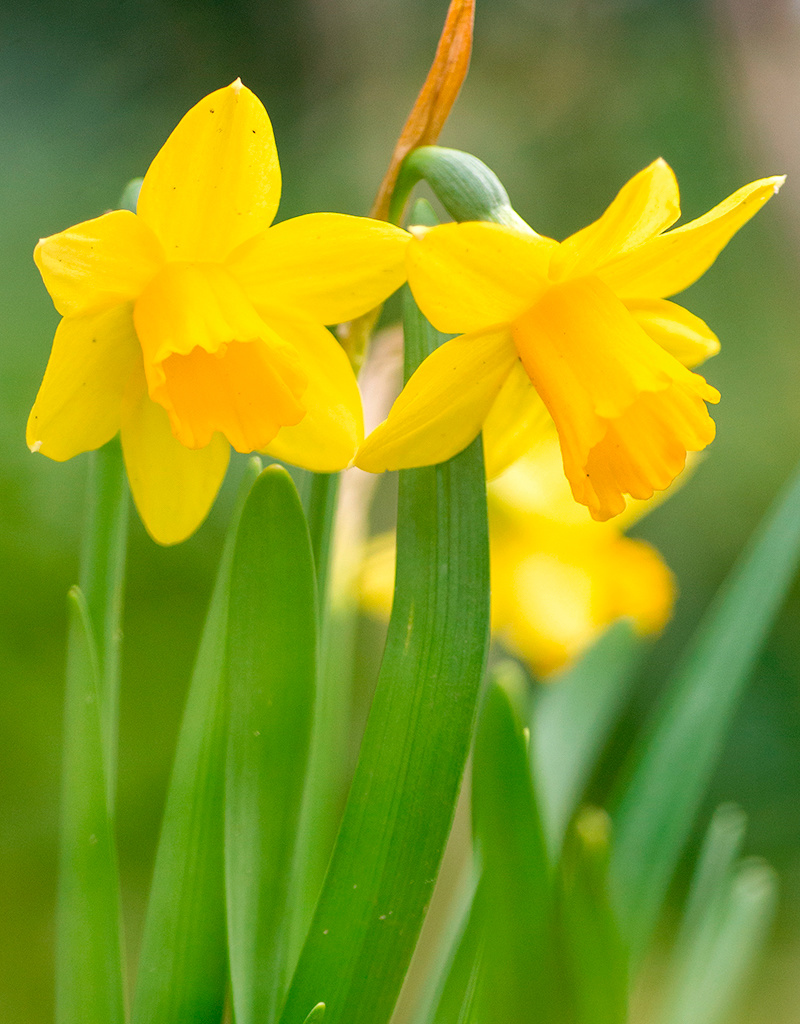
[[194, 324], [581, 330]]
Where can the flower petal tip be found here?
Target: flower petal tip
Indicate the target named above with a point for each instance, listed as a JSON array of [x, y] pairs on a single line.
[[35, 447], [418, 230], [237, 86]]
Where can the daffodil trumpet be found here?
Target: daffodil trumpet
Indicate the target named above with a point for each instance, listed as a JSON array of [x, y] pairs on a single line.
[[580, 333], [195, 325]]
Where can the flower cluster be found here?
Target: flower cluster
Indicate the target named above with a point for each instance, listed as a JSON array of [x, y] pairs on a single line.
[[194, 325]]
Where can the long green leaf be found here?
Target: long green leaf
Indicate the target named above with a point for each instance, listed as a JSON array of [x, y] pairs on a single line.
[[183, 967], [518, 981], [597, 960], [272, 648], [89, 981], [655, 815], [572, 719], [403, 796]]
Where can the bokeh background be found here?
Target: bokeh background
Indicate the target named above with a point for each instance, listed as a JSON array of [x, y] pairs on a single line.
[[565, 101]]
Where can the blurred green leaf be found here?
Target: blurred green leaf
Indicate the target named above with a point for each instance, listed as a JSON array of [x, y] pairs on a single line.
[[183, 966], [316, 1015], [597, 959], [403, 796], [518, 979], [454, 1001], [572, 718], [89, 981], [655, 813], [711, 878], [272, 656], [724, 946]]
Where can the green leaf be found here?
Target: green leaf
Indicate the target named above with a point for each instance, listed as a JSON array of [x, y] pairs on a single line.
[[316, 1015], [403, 796], [89, 981], [655, 815], [272, 648], [455, 1001], [183, 966], [518, 978], [597, 958], [723, 948], [572, 718]]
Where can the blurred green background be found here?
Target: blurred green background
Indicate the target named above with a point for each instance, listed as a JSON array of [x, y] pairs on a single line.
[[565, 101]]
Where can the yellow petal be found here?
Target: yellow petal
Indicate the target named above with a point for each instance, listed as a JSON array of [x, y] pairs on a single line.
[[78, 405], [647, 205], [98, 263], [173, 486], [216, 180], [626, 411], [672, 261], [517, 420], [675, 329], [327, 437], [640, 586], [327, 266], [472, 276], [443, 406], [212, 362]]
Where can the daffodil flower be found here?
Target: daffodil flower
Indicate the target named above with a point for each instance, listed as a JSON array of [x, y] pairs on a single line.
[[558, 579], [194, 324], [581, 332]]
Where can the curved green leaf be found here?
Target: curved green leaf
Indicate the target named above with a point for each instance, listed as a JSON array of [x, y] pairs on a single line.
[[271, 669], [183, 966], [403, 796]]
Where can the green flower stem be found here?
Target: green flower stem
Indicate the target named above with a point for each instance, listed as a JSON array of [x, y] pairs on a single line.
[[102, 578], [464, 185], [89, 976]]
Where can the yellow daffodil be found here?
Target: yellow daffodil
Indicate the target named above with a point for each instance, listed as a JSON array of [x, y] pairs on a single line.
[[194, 324], [558, 579], [581, 330]]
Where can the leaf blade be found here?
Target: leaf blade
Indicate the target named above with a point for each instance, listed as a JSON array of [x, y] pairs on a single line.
[[271, 673], [654, 814], [183, 963], [392, 836]]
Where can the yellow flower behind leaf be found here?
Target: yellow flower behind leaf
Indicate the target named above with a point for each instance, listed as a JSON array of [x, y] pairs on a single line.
[[194, 324], [558, 579], [581, 330]]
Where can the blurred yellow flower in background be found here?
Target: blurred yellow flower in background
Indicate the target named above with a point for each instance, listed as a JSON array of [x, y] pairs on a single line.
[[194, 325], [580, 330], [558, 579]]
